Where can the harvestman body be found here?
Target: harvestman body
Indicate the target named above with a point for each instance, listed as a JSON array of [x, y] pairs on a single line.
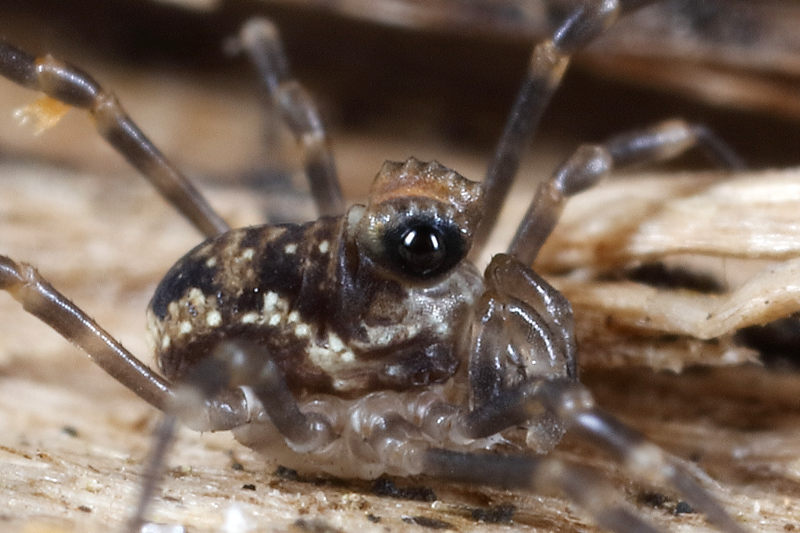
[[365, 342]]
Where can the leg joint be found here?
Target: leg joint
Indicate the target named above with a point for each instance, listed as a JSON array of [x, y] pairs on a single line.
[[11, 277], [66, 83]]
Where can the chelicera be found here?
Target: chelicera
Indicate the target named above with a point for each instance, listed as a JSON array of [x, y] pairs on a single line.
[[366, 342]]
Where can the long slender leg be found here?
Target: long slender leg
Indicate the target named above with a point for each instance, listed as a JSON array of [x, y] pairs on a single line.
[[546, 67], [231, 365], [74, 87], [163, 438], [591, 163], [573, 404], [247, 365], [260, 40], [537, 474], [224, 411]]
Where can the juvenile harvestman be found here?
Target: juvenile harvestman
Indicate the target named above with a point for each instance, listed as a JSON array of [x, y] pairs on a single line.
[[365, 343]]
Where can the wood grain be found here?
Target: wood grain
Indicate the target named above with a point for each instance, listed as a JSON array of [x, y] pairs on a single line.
[[74, 440]]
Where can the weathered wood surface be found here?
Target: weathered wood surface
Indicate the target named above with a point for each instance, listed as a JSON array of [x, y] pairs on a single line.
[[73, 440]]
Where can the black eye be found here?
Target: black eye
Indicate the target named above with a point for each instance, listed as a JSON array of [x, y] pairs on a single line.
[[424, 248]]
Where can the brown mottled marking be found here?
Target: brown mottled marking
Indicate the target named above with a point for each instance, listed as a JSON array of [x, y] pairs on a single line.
[[331, 325]]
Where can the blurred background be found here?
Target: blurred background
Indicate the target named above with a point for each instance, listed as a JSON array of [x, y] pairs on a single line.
[[402, 77]]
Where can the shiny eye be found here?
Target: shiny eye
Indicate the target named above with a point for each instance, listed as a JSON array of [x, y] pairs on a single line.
[[424, 248]]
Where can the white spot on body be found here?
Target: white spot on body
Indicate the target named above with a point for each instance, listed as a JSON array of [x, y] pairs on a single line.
[[214, 318], [393, 370], [335, 343], [274, 319], [270, 301], [185, 328], [324, 246], [332, 355], [211, 262], [165, 342], [302, 330], [197, 299], [294, 316], [196, 296], [290, 248], [249, 318], [323, 358], [247, 254]]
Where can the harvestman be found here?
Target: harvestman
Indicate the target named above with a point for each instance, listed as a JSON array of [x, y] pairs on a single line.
[[365, 343]]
